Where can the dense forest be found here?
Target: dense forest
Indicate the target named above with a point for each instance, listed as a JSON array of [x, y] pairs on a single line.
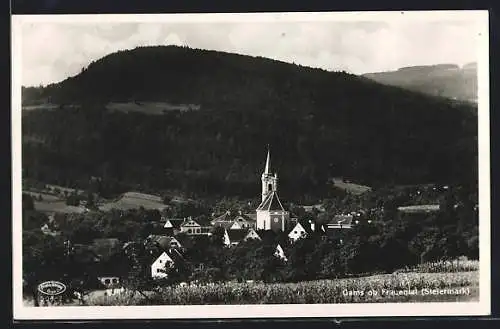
[[318, 124]]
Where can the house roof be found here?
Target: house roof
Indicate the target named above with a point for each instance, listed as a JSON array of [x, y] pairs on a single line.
[[305, 225], [174, 254], [237, 235], [162, 240], [232, 217], [271, 202], [173, 223], [252, 230], [251, 217], [225, 224], [190, 220], [224, 217], [340, 220]]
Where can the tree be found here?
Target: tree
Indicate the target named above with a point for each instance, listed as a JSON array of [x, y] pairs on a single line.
[[44, 259], [28, 203]]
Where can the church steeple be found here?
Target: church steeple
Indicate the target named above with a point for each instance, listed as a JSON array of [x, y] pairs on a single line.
[[270, 213], [269, 181], [268, 163]]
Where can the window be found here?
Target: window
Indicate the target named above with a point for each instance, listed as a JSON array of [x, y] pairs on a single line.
[[160, 261], [115, 281], [106, 281], [189, 231], [157, 270]]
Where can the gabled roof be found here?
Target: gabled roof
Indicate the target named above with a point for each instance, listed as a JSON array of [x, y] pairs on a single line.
[[305, 225], [224, 217], [251, 217], [231, 217], [162, 240], [173, 223], [225, 224], [271, 202], [340, 220], [252, 232], [174, 254], [188, 221], [237, 235]]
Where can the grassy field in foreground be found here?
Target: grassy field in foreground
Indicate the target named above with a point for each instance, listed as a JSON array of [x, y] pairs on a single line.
[[387, 288]]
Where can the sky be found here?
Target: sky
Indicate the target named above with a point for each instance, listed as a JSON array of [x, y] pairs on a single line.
[[53, 51]]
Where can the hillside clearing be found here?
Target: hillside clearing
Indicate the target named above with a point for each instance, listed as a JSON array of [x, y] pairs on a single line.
[[57, 207], [154, 108], [355, 189], [134, 200]]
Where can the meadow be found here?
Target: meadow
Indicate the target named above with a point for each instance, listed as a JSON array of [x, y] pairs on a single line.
[[355, 189], [396, 287], [134, 200], [152, 108]]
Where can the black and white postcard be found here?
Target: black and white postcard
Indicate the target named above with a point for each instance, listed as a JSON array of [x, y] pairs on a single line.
[[251, 165]]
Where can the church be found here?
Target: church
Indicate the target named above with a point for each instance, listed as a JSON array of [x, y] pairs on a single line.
[[270, 213]]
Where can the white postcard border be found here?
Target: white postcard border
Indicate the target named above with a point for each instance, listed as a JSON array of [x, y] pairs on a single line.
[[482, 307]]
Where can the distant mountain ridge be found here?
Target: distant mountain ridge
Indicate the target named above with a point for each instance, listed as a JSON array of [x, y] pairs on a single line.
[[319, 124], [445, 80]]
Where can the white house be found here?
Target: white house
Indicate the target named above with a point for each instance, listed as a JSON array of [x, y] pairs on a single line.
[[280, 253], [234, 237], [225, 239], [159, 265], [192, 227], [252, 235], [298, 232]]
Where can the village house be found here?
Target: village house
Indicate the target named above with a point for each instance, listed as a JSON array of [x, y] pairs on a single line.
[[167, 259], [339, 222], [231, 222], [172, 226], [280, 253], [300, 231], [48, 229], [191, 227], [111, 281], [163, 241], [234, 237]]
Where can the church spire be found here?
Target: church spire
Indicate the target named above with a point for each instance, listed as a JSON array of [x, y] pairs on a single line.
[[268, 163]]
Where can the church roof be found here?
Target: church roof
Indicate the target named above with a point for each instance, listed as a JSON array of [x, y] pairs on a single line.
[[271, 202]]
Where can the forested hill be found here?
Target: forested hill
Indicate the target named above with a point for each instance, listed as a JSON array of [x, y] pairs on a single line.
[[446, 80], [319, 125]]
